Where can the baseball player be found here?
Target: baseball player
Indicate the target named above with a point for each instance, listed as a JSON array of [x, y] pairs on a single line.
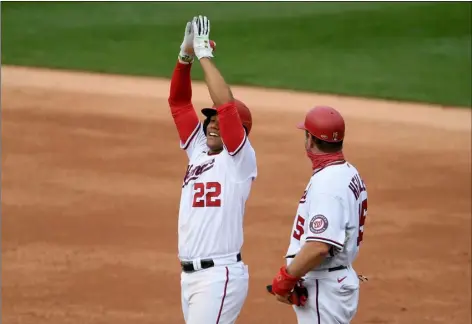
[[216, 185], [318, 278]]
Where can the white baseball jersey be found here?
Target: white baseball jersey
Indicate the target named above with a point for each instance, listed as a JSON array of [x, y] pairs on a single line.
[[214, 193], [332, 210]]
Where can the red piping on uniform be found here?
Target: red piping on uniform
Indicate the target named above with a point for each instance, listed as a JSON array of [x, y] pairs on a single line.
[[239, 148], [189, 140], [181, 107], [231, 128], [317, 306], [224, 296]]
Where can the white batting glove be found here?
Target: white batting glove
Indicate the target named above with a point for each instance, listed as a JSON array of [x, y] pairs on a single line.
[[201, 39], [185, 57]]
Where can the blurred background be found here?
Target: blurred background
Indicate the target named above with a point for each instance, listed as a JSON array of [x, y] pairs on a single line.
[[417, 51]]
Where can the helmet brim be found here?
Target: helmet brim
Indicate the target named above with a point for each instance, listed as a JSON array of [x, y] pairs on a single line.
[[208, 112], [301, 125]]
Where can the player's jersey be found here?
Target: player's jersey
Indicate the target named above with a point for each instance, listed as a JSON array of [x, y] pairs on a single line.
[[214, 193], [332, 210]]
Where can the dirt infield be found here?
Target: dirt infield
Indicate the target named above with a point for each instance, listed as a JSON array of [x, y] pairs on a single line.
[[91, 175]]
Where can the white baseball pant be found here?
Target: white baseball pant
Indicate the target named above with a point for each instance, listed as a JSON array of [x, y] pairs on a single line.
[[332, 297], [214, 295]]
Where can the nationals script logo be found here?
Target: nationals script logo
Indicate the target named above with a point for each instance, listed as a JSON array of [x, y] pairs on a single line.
[[193, 172]]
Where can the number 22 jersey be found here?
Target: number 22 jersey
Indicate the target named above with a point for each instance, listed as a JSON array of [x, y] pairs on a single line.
[[214, 193]]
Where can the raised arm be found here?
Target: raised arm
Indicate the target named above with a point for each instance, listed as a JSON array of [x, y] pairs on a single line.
[[230, 124], [180, 96]]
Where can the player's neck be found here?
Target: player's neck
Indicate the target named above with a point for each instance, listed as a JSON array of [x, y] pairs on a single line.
[[320, 160], [214, 152]]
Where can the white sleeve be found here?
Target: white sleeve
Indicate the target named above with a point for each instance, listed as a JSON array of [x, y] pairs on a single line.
[[196, 141], [326, 222], [244, 160]]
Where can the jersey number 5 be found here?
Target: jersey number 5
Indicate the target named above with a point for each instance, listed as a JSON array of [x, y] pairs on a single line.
[[362, 215], [206, 194], [299, 230]]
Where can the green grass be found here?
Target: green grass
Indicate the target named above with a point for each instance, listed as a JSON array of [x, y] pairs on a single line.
[[404, 51]]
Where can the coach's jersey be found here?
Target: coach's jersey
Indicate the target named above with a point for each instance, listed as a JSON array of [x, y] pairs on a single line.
[[332, 210], [214, 193]]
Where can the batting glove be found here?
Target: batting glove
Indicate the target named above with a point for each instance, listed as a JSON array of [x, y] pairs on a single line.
[[201, 39], [298, 296], [185, 57]]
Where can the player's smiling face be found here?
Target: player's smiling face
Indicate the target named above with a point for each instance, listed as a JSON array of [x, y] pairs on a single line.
[[214, 142]]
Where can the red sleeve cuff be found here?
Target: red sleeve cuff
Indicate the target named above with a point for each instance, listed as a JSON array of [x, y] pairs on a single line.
[[184, 145]]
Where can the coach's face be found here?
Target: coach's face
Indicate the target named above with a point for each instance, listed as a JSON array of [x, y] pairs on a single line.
[[214, 142]]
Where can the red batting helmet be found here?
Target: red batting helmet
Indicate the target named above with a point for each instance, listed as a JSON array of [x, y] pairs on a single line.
[[324, 123], [243, 111]]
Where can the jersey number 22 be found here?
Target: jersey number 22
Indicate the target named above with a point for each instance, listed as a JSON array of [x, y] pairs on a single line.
[[206, 194]]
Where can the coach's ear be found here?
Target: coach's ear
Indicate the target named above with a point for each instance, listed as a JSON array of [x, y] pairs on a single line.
[[311, 140]]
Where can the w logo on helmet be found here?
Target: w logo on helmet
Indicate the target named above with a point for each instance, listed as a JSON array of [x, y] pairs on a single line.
[[335, 136]]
